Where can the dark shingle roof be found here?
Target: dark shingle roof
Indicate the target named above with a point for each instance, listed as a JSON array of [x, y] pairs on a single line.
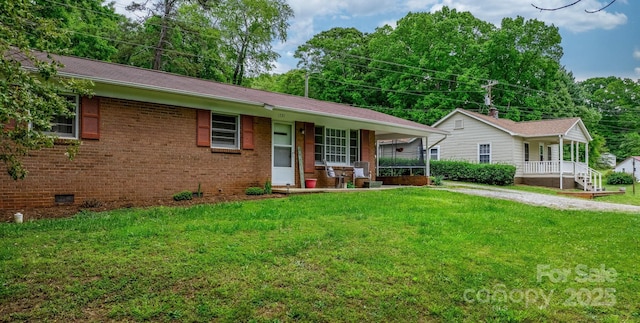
[[104, 72]]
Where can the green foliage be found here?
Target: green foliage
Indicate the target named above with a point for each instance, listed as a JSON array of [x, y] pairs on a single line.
[[619, 178], [351, 185], [182, 196], [267, 187], [30, 98], [437, 180], [254, 191], [494, 174]]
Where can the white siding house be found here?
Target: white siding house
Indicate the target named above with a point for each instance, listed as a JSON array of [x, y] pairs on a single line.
[[626, 166], [535, 148]]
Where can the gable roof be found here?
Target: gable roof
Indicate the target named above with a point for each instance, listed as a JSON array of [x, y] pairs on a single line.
[[527, 129], [133, 77]]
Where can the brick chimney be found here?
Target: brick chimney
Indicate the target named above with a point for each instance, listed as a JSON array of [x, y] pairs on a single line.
[[493, 112]]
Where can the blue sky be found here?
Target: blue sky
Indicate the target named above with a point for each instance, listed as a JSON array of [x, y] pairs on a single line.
[[606, 43]]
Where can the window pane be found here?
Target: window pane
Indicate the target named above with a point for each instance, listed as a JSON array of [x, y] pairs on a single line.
[[63, 126], [282, 156], [224, 131]]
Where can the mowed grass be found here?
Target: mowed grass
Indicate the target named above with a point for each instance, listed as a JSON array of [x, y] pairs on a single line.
[[412, 254]]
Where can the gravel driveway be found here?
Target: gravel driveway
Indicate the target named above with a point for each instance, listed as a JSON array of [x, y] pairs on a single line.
[[552, 201]]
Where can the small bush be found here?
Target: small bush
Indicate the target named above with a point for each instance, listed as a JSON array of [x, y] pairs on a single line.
[[493, 174], [620, 178], [267, 187], [181, 196], [437, 180], [254, 191]]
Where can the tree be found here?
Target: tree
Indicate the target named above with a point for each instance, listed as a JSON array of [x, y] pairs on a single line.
[[337, 64], [427, 65], [90, 26], [618, 101], [248, 29], [30, 97], [162, 14]]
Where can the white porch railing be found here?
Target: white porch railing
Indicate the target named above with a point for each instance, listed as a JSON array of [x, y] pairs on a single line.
[[542, 167], [589, 178]]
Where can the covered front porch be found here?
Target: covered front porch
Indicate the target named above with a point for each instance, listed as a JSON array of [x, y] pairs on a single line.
[[560, 162]]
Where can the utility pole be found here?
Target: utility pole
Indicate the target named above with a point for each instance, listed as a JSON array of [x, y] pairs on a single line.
[[633, 174], [488, 98], [306, 84]]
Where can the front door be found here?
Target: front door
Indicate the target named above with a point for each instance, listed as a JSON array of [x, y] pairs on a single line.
[[283, 171]]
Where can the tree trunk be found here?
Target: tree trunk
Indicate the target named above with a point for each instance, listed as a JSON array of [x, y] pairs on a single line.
[[159, 50]]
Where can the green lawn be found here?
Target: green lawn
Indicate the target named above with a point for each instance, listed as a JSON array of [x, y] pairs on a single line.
[[412, 254]]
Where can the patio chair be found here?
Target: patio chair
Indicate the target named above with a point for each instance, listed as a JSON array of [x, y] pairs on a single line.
[[331, 173], [361, 170]]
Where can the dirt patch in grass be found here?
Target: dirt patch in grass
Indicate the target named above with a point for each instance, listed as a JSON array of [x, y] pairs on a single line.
[[63, 211]]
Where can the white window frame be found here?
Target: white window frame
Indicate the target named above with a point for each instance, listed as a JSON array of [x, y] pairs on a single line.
[[75, 123], [236, 132], [480, 154], [325, 146], [437, 149]]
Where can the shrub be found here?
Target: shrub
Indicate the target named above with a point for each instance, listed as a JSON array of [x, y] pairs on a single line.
[[437, 180], [254, 191], [181, 196], [619, 178], [267, 187], [493, 174]]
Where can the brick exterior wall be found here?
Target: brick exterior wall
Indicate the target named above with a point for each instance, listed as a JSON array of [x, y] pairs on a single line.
[[146, 152]]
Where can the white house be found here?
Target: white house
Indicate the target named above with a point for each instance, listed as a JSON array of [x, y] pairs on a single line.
[[535, 148], [626, 166]]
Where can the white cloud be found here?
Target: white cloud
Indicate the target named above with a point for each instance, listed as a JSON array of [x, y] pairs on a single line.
[[573, 18], [636, 53], [391, 22], [637, 70]]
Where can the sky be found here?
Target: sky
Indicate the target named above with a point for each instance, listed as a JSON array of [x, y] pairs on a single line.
[[606, 43]]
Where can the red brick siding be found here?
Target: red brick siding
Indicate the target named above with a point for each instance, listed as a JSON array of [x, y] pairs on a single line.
[[146, 152]]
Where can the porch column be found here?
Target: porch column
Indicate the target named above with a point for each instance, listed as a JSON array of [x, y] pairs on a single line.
[[578, 152], [561, 158], [427, 156], [586, 154], [572, 153]]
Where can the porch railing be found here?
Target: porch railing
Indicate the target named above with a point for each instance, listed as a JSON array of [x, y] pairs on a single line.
[[589, 178]]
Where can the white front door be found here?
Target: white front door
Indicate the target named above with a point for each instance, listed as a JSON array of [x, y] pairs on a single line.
[[283, 171]]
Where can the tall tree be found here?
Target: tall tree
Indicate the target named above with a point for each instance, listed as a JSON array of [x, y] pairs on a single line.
[[433, 67], [248, 29], [162, 15], [337, 64], [30, 97], [618, 101]]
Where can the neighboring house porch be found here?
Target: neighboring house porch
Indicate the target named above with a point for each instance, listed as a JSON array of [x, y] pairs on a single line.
[[535, 148]]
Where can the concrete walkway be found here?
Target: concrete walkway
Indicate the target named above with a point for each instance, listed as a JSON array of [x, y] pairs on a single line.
[[551, 201]]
